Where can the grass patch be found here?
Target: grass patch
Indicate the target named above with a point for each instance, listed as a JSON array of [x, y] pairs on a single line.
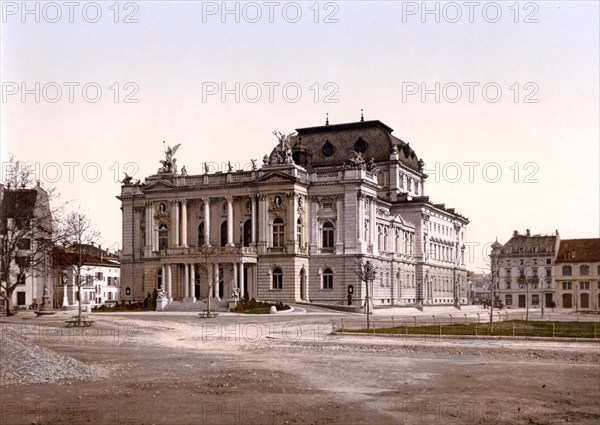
[[508, 328]]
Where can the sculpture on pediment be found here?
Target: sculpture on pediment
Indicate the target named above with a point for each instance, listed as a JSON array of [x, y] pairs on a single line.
[[169, 163], [283, 151]]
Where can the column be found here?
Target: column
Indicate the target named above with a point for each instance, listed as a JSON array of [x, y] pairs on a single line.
[[234, 283], [262, 220], [163, 280], [253, 201], [186, 279], [169, 292], [184, 232], [192, 282], [174, 228], [148, 224], [229, 220], [291, 236], [242, 283], [206, 221], [339, 226], [373, 226]]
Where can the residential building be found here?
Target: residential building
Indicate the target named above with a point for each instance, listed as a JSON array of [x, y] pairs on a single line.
[[577, 271], [100, 276], [524, 269], [295, 228], [25, 245]]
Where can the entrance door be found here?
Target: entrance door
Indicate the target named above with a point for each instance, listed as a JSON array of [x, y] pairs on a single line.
[[548, 300], [522, 301], [303, 284], [20, 298], [567, 301]]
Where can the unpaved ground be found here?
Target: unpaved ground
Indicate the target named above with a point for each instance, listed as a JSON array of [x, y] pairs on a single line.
[[183, 370]]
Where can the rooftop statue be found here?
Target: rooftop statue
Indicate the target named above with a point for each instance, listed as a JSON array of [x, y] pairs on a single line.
[[168, 164], [283, 151]]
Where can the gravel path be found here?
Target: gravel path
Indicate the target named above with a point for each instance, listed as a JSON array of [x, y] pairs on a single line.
[[23, 362]]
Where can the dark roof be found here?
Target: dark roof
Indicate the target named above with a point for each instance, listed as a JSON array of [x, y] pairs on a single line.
[[343, 127], [332, 145], [580, 250], [544, 244], [69, 257]]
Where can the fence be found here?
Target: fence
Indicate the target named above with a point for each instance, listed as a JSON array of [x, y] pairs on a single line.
[[469, 327]]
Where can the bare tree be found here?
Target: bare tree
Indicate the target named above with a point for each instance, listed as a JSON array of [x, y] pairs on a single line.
[[26, 230], [78, 234], [203, 256], [366, 272]]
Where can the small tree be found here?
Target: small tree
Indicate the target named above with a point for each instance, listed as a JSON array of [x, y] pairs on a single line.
[[26, 230], [204, 256], [78, 234], [366, 272]]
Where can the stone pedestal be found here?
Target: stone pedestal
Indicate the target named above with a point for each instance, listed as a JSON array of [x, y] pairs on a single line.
[[161, 303]]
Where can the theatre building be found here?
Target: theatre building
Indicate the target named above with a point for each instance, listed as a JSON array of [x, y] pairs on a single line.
[[295, 227]]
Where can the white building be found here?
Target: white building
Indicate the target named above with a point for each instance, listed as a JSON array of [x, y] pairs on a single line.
[[525, 271], [100, 277], [295, 228]]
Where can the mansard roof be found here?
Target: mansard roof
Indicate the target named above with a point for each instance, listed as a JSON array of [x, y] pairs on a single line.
[[579, 251], [524, 244], [332, 145]]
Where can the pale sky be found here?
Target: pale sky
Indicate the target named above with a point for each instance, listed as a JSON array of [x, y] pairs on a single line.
[[540, 131]]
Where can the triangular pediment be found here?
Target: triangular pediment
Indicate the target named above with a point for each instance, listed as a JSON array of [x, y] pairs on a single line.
[[158, 186], [276, 177]]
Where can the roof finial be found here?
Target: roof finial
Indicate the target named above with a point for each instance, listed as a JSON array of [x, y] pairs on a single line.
[[327, 118], [362, 118]]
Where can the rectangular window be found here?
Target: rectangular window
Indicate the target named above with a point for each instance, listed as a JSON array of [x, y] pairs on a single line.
[[535, 299], [508, 299], [566, 285], [584, 285], [20, 298]]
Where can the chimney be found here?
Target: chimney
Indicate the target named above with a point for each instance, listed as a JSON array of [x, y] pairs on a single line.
[[527, 233], [515, 233]]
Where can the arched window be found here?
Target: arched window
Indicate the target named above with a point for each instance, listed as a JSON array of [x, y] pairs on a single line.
[[278, 233], [201, 239], [584, 270], [327, 279], [159, 279], [163, 236], [224, 233], [299, 233], [567, 270], [328, 235], [277, 280], [247, 239]]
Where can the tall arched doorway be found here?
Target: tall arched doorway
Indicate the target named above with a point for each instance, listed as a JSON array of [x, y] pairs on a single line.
[[303, 284]]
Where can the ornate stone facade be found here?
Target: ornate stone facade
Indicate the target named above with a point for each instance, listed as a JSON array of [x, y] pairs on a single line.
[[294, 230]]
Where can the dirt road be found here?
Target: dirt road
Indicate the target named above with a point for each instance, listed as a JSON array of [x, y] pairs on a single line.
[[289, 370]]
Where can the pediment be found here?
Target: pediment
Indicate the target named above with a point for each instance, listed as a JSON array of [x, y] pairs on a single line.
[[276, 177], [158, 186]]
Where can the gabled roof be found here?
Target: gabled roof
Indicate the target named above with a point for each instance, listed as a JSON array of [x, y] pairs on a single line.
[[579, 251]]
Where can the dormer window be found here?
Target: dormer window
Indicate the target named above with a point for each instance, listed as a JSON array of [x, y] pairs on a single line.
[[568, 255]]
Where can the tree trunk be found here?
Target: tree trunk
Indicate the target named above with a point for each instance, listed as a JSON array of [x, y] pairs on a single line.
[[9, 306], [79, 305]]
